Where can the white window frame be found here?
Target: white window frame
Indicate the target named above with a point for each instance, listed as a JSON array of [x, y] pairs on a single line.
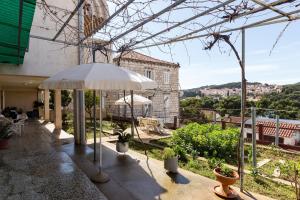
[[166, 77], [149, 73]]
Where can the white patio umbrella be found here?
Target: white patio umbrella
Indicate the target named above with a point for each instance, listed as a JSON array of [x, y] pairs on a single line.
[[137, 99], [99, 76]]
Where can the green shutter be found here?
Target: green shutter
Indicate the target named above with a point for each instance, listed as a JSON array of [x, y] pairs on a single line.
[[9, 27]]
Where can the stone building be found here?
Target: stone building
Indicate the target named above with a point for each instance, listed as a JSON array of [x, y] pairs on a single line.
[[165, 99]]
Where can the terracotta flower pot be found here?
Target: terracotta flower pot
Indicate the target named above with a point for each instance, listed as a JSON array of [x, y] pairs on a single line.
[[122, 147], [224, 190], [3, 143]]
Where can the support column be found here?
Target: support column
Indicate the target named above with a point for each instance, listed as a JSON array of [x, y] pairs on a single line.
[[253, 117], [81, 115], [3, 99], [57, 108], [46, 105], [277, 131], [132, 115], [76, 117]]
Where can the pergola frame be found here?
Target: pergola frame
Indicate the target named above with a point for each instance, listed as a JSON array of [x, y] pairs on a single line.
[[191, 35]]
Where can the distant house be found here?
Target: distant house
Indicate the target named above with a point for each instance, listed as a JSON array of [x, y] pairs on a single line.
[[289, 131], [165, 98]]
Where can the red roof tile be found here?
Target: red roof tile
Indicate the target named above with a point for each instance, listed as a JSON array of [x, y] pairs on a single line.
[[138, 57], [285, 129]]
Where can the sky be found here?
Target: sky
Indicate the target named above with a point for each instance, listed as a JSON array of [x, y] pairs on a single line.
[[201, 67]]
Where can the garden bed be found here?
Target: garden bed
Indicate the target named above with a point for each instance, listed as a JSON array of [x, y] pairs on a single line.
[[254, 184]]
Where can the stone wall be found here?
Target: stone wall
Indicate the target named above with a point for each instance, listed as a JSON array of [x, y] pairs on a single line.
[[158, 108]]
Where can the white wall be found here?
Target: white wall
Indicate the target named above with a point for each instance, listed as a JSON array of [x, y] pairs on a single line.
[[289, 141], [45, 58], [21, 99]]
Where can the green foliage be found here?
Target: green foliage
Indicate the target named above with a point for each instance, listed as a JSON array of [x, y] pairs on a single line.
[[65, 98], [207, 138], [89, 102], [226, 171], [215, 162], [120, 125], [5, 132], [287, 169], [124, 137], [168, 153], [181, 153], [254, 172], [288, 99]]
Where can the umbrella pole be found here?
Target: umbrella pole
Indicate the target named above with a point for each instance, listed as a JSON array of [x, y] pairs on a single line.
[[100, 177], [95, 149], [132, 118]]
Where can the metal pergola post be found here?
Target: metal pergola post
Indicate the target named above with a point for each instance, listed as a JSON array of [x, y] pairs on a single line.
[[69, 19], [132, 115], [253, 118], [243, 102]]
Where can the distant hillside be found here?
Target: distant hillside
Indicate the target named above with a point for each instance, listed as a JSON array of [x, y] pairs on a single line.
[[195, 91]]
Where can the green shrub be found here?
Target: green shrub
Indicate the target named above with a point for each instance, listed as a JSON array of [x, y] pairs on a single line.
[[225, 171], [208, 140], [215, 162], [168, 153], [181, 153]]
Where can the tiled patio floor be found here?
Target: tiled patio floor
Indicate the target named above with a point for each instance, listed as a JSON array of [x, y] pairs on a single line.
[[132, 177], [32, 169], [36, 167]]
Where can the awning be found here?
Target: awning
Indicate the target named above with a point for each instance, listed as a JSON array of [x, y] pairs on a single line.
[[13, 43], [137, 99]]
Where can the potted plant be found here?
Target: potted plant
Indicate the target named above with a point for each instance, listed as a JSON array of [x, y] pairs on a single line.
[[5, 134], [116, 128], [226, 177], [170, 160], [123, 141]]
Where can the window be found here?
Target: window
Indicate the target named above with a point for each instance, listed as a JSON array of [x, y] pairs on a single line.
[[149, 73], [166, 101], [166, 77]]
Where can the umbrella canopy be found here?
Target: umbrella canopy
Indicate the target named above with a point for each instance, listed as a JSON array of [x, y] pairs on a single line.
[[98, 76], [137, 99]]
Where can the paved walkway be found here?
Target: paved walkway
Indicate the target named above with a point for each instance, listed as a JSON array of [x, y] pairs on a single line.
[[135, 178], [32, 169]]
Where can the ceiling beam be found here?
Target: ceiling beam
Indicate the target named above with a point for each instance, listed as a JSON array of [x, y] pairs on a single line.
[[278, 2], [260, 23], [107, 20], [183, 22], [262, 3], [20, 28], [68, 20]]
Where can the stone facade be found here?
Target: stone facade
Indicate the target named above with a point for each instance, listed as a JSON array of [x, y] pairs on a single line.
[[165, 99]]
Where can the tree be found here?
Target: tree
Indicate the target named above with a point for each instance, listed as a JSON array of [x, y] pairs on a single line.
[[65, 101], [89, 103], [65, 98]]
